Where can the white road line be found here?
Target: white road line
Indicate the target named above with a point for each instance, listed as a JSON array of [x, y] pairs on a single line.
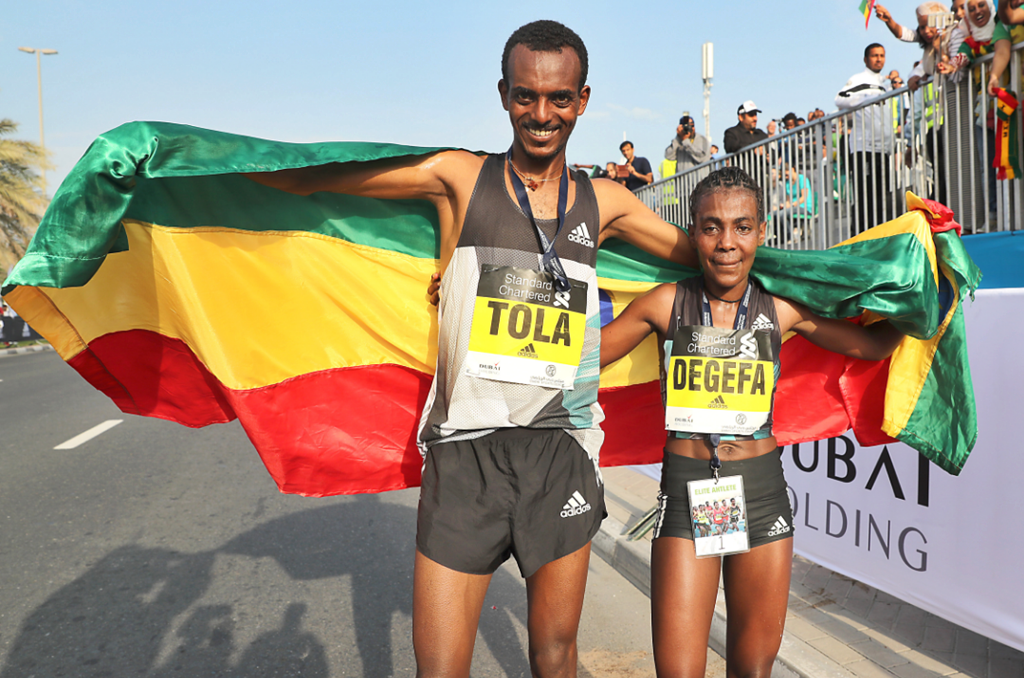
[[88, 435]]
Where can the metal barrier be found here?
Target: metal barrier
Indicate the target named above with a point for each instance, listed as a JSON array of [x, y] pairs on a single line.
[[832, 178]]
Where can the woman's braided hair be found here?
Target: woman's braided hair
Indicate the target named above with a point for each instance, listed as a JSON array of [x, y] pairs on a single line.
[[724, 179]]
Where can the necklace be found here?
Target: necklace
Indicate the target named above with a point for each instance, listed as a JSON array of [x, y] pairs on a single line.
[[531, 183], [724, 301]]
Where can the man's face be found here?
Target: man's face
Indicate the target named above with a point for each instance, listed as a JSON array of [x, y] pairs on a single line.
[[927, 32], [875, 60], [789, 123], [627, 150], [979, 12], [542, 99], [748, 120]]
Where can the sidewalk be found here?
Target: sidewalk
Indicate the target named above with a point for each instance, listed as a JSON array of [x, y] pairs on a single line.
[[25, 349], [835, 627]]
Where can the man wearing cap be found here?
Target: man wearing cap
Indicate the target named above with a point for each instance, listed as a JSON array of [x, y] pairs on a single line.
[[688, 148], [746, 132]]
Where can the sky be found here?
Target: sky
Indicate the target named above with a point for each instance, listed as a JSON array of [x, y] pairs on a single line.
[[417, 73]]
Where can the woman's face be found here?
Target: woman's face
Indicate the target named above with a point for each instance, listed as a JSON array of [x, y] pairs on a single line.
[[979, 12], [726, 234]]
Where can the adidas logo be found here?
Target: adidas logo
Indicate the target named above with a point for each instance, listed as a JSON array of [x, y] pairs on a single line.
[[762, 323], [581, 236], [528, 352], [576, 505], [780, 527], [718, 404]]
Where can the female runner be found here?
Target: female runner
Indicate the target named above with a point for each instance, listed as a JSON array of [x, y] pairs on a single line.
[[727, 226]]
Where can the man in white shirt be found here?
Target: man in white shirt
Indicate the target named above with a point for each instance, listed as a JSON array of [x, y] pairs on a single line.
[[871, 141]]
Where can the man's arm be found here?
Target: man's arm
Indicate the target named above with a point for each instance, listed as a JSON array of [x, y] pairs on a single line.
[[730, 141], [670, 152], [624, 216], [446, 179], [698, 148], [647, 176]]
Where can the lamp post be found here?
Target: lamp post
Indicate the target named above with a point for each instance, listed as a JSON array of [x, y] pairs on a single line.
[[39, 80]]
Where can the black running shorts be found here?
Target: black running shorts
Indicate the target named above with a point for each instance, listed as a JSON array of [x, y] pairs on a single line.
[[531, 493], [769, 513]]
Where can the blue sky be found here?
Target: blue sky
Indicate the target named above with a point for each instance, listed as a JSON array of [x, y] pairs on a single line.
[[414, 72]]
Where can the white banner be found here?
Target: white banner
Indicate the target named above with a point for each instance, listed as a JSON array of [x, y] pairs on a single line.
[[951, 545]]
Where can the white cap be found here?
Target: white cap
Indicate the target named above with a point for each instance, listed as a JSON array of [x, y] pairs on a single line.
[[748, 107]]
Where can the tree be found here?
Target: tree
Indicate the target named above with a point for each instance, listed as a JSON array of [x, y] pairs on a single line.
[[22, 201]]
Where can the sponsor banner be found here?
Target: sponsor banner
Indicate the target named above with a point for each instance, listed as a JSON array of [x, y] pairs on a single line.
[[887, 517]]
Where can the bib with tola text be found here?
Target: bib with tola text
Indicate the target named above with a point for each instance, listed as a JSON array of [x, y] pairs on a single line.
[[524, 330]]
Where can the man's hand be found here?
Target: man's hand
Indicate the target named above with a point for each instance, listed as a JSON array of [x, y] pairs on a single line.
[[434, 289], [882, 13], [914, 82]]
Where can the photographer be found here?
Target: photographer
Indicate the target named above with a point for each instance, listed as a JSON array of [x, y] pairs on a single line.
[[688, 148]]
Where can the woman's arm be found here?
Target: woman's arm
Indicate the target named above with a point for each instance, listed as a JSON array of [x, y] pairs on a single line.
[[999, 63], [874, 342], [646, 314]]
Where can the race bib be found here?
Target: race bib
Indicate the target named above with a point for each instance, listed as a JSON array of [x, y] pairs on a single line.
[[719, 381], [524, 331]]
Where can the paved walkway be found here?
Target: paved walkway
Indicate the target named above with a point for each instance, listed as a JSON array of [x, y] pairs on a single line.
[[835, 626], [24, 349]]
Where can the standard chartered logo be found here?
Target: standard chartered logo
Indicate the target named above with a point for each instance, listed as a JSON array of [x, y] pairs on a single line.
[[581, 235]]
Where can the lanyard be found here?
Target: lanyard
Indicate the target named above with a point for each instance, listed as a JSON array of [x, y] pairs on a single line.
[[741, 320], [549, 258]]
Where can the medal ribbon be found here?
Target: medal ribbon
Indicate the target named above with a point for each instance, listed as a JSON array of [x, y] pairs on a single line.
[[549, 258], [741, 320]]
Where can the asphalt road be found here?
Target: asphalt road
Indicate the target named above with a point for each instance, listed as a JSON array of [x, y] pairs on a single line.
[[155, 550]]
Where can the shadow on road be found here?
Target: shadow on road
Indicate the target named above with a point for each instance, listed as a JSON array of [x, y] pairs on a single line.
[[117, 618]]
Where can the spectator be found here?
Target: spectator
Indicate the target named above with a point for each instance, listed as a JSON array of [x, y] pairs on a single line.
[[979, 34], [1010, 12], [688, 148], [801, 121], [789, 120], [870, 140], [746, 132], [639, 172], [715, 152], [933, 33], [816, 114], [611, 171]]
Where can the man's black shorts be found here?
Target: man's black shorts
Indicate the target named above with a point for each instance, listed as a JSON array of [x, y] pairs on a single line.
[[531, 493]]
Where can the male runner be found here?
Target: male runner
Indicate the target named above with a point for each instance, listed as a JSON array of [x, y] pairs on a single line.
[[511, 441]]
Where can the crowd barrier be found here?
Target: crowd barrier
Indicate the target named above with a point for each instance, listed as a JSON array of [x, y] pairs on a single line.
[[937, 142]]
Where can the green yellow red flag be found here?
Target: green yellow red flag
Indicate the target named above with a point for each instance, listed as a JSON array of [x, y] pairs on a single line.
[[183, 290]]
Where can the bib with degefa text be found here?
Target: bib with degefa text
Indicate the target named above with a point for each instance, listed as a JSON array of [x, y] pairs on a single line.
[[719, 381], [524, 330]]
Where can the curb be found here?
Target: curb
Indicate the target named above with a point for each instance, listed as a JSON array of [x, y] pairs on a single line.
[[632, 559], [25, 349]]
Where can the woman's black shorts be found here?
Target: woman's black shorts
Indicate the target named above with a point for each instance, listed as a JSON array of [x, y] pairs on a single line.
[[769, 513]]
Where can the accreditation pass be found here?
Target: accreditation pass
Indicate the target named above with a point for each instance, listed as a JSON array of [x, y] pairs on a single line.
[[719, 380], [524, 331]]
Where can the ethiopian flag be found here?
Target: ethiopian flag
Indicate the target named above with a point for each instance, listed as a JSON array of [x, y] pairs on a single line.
[[185, 291], [866, 6]]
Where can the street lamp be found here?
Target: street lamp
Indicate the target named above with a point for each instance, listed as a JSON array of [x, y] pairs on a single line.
[[39, 79]]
